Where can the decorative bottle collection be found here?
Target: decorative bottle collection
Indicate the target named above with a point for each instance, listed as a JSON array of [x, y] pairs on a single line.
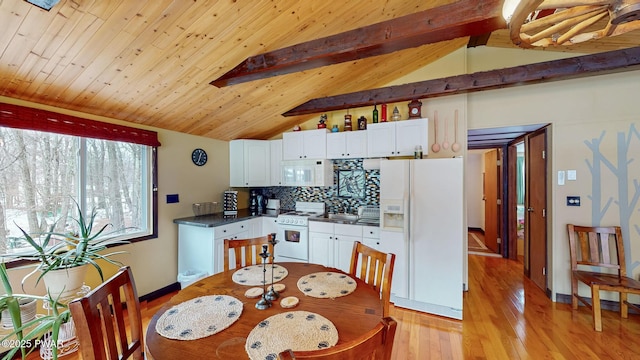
[[375, 114], [347, 122]]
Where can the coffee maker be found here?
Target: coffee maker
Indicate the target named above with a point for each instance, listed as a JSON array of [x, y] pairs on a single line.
[[257, 203]]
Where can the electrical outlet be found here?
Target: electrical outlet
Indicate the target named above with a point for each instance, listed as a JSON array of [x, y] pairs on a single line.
[[573, 200]]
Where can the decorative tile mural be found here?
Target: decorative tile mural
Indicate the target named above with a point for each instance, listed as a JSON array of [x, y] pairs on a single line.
[[331, 195]]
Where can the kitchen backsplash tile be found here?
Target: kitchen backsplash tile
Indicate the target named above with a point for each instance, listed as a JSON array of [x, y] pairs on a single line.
[[329, 195]]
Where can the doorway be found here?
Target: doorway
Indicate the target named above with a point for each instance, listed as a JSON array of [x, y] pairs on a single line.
[[520, 204]]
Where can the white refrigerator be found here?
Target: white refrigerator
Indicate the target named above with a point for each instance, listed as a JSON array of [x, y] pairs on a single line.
[[421, 206]]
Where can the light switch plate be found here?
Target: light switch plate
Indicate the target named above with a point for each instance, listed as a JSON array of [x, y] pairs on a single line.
[[571, 175], [561, 177]]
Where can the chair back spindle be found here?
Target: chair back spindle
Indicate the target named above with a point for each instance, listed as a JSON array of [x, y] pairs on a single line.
[[375, 268], [246, 252]]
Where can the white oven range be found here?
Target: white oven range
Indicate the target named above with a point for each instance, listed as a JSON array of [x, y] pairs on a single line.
[[293, 232]]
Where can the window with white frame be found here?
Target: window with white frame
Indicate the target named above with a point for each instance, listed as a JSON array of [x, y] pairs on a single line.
[[43, 174]]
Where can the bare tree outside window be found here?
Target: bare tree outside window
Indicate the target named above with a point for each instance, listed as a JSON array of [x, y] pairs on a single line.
[[42, 173]]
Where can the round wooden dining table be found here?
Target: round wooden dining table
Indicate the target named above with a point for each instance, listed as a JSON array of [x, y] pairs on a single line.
[[353, 314]]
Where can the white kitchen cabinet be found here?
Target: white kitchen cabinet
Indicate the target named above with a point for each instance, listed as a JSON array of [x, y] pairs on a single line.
[[276, 162], [321, 243], [269, 226], [345, 235], [411, 133], [347, 145], [371, 236], [195, 249], [233, 231], [308, 144], [331, 244], [397, 138], [200, 248], [249, 163], [381, 139]]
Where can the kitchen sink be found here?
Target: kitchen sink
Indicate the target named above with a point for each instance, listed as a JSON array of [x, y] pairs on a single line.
[[343, 217]]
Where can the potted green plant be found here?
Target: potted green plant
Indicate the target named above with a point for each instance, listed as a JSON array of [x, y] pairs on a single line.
[[26, 335], [63, 258], [58, 255]]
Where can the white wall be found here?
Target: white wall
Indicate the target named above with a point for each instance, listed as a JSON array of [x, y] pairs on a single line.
[[473, 184]]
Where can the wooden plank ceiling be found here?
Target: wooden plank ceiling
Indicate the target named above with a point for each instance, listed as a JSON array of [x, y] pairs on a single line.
[[151, 62]]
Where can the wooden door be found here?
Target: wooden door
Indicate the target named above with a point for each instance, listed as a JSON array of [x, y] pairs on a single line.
[[512, 203], [536, 207], [491, 214]]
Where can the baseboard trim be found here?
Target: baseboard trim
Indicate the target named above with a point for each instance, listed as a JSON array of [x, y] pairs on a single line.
[[604, 304], [160, 292]]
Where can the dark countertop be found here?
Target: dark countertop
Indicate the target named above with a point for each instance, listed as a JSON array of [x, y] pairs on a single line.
[[218, 219], [363, 221]]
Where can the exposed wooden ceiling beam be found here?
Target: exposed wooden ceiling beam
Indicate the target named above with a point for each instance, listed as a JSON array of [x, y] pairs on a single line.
[[576, 67], [458, 19]]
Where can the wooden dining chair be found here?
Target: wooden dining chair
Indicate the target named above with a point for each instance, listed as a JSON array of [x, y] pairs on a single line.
[[376, 344], [375, 268], [248, 250], [601, 251], [100, 318]]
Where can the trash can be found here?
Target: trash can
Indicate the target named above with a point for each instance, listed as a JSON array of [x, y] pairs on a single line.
[[188, 277]]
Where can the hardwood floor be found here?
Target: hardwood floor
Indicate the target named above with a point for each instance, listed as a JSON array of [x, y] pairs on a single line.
[[505, 317]]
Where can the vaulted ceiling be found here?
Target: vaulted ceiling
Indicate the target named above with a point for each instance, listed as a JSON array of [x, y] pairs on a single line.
[[152, 62]]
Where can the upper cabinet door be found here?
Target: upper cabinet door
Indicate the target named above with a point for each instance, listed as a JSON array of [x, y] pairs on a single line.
[[292, 145], [411, 133], [315, 144], [336, 145], [356, 144], [249, 163], [381, 139], [257, 163], [276, 162], [308, 144]]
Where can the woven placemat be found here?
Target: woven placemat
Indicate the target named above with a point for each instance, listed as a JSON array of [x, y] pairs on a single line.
[[199, 317], [296, 330], [253, 275], [326, 285]]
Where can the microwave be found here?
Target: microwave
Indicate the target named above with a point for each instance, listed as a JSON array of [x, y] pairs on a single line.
[[307, 172]]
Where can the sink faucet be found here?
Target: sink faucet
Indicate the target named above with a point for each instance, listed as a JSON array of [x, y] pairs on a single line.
[[347, 208]]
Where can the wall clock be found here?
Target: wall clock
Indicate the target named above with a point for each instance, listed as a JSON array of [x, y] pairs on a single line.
[[415, 106], [199, 157]]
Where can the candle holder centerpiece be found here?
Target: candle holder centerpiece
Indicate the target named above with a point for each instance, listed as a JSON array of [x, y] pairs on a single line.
[[264, 303], [272, 294]]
